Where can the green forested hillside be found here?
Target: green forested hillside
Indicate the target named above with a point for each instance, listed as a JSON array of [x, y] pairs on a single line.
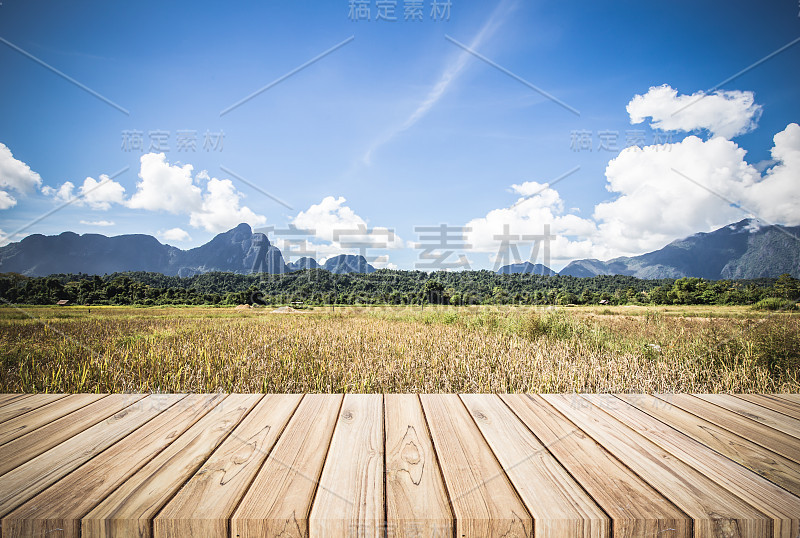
[[318, 286]]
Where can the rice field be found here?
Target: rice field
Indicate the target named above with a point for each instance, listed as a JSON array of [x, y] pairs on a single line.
[[399, 349]]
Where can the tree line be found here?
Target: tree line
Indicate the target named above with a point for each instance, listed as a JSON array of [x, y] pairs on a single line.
[[393, 287]]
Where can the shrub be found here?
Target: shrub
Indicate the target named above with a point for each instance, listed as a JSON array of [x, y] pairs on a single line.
[[775, 303]]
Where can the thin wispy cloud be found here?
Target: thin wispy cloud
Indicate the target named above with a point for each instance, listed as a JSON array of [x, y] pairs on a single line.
[[448, 77]]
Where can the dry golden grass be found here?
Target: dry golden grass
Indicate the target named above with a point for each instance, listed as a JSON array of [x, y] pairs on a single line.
[[480, 349]]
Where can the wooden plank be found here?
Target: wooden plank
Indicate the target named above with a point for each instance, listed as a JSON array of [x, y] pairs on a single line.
[[32, 477], [558, 504], [483, 500], [768, 417], [129, 510], [349, 499], [25, 448], [416, 499], [9, 397], [791, 397], [278, 501], [204, 505], [768, 498], [778, 442], [771, 402], [714, 510], [635, 508], [771, 466], [22, 406], [57, 511], [17, 427]]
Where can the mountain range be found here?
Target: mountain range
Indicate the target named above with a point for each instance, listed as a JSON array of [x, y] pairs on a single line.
[[236, 251], [742, 250]]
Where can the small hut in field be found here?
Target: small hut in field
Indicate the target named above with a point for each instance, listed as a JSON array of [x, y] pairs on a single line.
[[63, 302]]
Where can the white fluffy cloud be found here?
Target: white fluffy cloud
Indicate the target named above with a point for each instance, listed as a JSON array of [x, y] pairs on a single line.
[[212, 204], [338, 230], [722, 113], [662, 193], [103, 223], [539, 205], [6, 200], [63, 193], [657, 204], [175, 234], [328, 216], [334, 222], [171, 188], [14, 175], [776, 197], [220, 209], [97, 194], [165, 187]]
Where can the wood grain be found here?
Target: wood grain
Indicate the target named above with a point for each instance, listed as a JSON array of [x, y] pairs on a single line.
[[57, 511], [483, 500], [768, 417], [558, 504], [29, 479], [17, 427], [279, 499], [8, 398], [769, 401], [349, 498], [635, 508], [22, 406], [714, 510], [204, 505], [778, 442], [416, 499], [24, 448], [771, 500], [399, 465], [128, 511], [771, 466]]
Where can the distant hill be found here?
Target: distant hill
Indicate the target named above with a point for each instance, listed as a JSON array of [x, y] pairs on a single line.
[[346, 263], [743, 250], [303, 263], [525, 268], [39, 255], [236, 251]]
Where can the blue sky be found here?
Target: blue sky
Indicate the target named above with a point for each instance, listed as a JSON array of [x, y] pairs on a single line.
[[400, 127]]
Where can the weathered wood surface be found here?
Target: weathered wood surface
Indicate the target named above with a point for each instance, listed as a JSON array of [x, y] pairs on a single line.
[[635, 508], [484, 501], [280, 497], [416, 498], [350, 492], [400, 465], [203, 507], [17, 427]]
